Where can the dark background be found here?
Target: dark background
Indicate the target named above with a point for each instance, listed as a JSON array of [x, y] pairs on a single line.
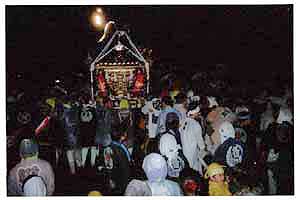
[[255, 42]]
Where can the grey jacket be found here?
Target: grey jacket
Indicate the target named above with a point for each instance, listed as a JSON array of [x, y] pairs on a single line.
[[30, 167]]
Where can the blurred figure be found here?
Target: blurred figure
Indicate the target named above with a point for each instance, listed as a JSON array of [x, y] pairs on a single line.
[[155, 167], [137, 188], [167, 107], [181, 104]]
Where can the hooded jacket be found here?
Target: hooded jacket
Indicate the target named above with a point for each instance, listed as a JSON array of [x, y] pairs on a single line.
[[155, 167], [103, 125], [71, 124], [192, 142]]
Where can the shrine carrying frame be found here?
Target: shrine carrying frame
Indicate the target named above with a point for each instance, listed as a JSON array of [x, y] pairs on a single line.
[[97, 63]]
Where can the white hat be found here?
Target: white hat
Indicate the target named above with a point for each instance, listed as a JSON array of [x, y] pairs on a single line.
[[190, 94], [226, 131], [155, 103], [35, 186], [285, 115], [240, 109], [212, 102], [155, 167], [194, 111]]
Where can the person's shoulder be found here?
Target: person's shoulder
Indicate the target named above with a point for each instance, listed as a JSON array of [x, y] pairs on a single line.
[[44, 162], [192, 122], [174, 186], [172, 183], [14, 169]]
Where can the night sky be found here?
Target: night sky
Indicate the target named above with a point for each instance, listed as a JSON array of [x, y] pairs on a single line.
[[45, 41]]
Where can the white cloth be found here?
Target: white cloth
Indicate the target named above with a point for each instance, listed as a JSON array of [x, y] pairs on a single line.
[[212, 101], [35, 186], [266, 118], [192, 112], [164, 188], [285, 115], [209, 145], [226, 131], [168, 146], [272, 183], [152, 113], [192, 143], [94, 153], [155, 167], [137, 188], [240, 109]]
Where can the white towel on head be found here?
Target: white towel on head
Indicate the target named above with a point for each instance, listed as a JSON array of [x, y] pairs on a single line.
[[285, 114]]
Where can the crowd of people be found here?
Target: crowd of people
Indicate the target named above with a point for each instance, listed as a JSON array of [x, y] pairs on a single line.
[[179, 142]]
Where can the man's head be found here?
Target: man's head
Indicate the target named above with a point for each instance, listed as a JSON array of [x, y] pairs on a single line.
[[172, 121], [28, 148], [166, 101], [181, 98]]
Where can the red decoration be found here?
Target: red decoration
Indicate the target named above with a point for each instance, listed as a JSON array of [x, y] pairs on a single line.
[[42, 126], [101, 84], [139, 82]]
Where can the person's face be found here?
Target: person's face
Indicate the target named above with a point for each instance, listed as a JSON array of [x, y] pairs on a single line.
[[218, 178]]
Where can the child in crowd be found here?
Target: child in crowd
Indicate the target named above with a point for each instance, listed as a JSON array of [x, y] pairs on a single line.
[[217, 184]]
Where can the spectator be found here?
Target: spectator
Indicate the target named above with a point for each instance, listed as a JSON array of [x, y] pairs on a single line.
[[155, 167]]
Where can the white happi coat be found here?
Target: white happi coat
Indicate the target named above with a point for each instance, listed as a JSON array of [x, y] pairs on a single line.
[[192, 143]]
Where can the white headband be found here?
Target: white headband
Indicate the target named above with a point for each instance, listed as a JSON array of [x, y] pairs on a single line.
[[192, 112]]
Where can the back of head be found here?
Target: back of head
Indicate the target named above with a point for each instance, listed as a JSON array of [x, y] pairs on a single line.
[[167, 100], [34, 186], [172, 121], [28, 148], [180, 98]]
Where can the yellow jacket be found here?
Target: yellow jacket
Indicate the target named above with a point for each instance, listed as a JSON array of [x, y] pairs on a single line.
[[218, 189]]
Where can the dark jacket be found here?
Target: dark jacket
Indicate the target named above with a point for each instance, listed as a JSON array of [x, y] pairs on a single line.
[[103, 125]]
